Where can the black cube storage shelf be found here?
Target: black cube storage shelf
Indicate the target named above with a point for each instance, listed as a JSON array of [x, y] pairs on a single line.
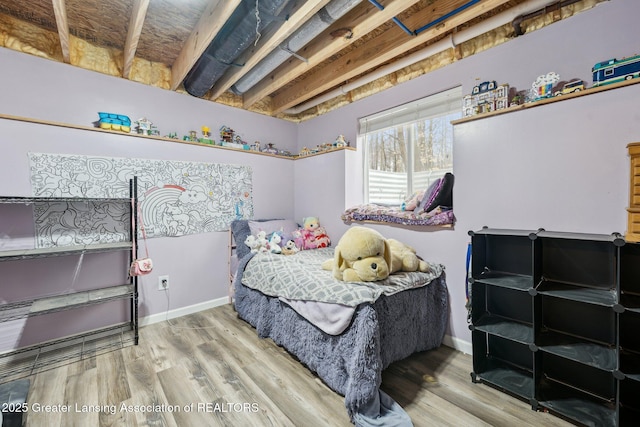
[[554, 321]]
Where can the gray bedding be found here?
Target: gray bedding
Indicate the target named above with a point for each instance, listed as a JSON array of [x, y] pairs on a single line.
[[387, 330], [301, 277]]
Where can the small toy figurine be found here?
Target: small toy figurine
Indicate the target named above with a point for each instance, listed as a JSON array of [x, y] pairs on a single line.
[[256, 146], [143, 126], [304, 152], [206, 134], [269, 148], [226, 134], [340, 141], [542, 87], [193, 136]]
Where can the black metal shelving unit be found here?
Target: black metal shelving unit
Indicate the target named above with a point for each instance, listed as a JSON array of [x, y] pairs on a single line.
[[554, 321], [25, 361]]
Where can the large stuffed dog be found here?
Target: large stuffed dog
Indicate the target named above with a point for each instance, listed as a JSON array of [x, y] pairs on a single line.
[[364, 255]]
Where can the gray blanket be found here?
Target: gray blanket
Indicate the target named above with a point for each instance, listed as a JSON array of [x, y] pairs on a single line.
[[390, 329], [301, 277]]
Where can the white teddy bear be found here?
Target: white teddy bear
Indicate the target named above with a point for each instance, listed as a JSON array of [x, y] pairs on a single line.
[[263, 243], [252, 243]]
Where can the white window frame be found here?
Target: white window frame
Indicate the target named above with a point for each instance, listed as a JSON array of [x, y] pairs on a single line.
[[436, 105]]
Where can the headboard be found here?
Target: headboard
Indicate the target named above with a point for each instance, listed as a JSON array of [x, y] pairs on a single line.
[[241, 228]]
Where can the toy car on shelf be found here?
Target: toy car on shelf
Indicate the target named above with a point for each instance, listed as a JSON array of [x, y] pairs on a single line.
[[570, 87]]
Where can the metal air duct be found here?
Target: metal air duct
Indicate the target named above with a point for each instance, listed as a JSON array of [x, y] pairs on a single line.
[[307, 32], [235, 36]]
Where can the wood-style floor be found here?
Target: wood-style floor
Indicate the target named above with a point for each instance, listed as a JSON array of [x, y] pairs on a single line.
[[211, 369]]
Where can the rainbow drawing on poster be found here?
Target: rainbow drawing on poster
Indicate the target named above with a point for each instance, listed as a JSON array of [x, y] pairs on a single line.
[[176, 198]]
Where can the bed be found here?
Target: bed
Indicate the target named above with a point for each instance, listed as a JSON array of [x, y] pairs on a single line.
[[346, 333]]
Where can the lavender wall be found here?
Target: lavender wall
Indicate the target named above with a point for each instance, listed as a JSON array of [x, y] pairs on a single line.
[[196, 264], [562, 166], [48, 90], [322, 183]]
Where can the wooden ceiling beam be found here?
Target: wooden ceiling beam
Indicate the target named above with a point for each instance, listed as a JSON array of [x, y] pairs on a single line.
[[138, 14], [378, 50], [295, 21], [60, 11], [210, 23], [360, 21]]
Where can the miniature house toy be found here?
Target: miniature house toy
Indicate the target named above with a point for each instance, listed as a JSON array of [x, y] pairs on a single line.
[[484, 98], [226, 134], [144, 126]]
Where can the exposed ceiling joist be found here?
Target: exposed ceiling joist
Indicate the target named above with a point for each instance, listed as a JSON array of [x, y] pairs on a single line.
[[133, 34], [311, 53], [210, 23], [306, 11], [361, 21], [378, 50], [60, 12]]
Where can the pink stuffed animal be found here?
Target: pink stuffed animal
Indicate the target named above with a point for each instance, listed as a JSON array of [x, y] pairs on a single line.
[[312, 236]]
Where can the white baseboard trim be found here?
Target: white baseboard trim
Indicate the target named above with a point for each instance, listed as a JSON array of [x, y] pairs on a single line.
[[182, 311], [457, 344]]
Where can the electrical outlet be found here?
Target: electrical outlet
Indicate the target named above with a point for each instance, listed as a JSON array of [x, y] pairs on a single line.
[[163, 283]]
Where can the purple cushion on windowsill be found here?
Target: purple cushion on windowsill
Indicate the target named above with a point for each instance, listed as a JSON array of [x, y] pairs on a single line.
[[429, 196], [442, 194]]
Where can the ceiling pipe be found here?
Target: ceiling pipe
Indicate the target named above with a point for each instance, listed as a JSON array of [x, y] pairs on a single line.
[[394, 19], [467, 34], [239, 32], [307, 32], [311, 29], [543, 11]]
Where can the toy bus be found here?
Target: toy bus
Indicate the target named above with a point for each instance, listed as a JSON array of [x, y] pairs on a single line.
[[570, 87], [615, 70]]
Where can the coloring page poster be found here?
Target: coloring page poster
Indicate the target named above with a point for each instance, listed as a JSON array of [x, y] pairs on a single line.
[[176, 198]]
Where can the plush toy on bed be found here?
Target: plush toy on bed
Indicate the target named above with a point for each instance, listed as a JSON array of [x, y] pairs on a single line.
[[252, 242], [262, 244], [274, 243], [290, 248], [312, 235], [364, 255]]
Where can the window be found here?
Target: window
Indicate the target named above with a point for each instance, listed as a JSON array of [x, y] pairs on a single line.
[[408, 147]]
